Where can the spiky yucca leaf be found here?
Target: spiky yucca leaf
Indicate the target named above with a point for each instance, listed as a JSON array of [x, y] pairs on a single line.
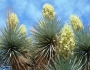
[[82, 50], [46, 39], [13, 44], [77, 64]]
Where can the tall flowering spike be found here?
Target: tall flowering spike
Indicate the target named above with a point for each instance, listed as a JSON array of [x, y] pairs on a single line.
[[22, 29], [67, 41], [76, 22], [12, 20], [48, 11]]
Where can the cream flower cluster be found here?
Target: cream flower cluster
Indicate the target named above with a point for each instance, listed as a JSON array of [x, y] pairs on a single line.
[[12, 20], [22, 29], [67, 41], [76, 23], [48, 11]]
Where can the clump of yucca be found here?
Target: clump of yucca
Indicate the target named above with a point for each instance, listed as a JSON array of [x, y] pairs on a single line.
[[60, 63], [46, 40], [45, 35], [82, 49], [14, 44]]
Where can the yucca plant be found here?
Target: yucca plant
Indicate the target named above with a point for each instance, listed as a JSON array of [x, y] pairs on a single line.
[[46, 40], [82, 50], [45, 36], [14, 45], [61, 63]]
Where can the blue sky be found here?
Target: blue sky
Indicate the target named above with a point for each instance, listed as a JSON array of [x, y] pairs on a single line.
[[29, 11]]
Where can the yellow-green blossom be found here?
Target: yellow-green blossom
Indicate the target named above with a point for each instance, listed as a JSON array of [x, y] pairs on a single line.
[[48, 11], [12, 20], [67, 41], [22, 29], [76, 22]]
